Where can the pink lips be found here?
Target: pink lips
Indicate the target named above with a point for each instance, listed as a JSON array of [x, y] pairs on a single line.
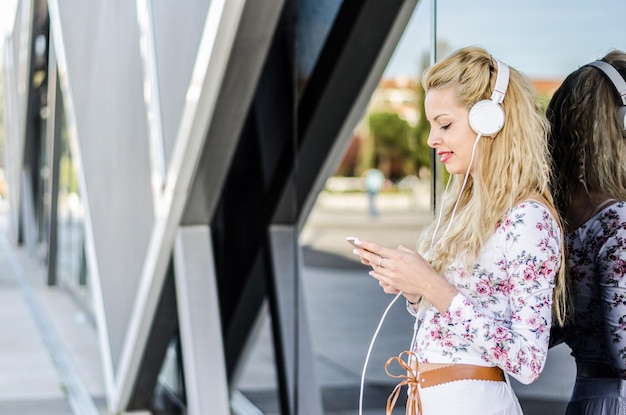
[[445, 156]]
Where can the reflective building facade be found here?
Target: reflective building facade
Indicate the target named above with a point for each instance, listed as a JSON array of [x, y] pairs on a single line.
[[162, 157]]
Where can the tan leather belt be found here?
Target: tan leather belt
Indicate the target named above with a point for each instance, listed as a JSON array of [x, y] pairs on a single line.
[[459, 372], [411, 378]]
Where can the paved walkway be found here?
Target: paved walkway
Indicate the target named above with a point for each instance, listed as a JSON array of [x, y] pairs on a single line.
[[49, 362]]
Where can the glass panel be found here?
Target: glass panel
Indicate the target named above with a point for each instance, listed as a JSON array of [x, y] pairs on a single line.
[[314, 20], [344, 304], [72, 269], [169, 397], [41, 182], [256, 384], [36, 154]]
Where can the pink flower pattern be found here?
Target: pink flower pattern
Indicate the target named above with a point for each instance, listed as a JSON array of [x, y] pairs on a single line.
[[597, 261], [502, 313]]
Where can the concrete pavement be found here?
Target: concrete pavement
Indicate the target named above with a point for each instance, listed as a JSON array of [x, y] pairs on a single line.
[[49, 354]]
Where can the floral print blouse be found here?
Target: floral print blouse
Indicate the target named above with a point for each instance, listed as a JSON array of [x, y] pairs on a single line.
[[597, 262], [502, 313]]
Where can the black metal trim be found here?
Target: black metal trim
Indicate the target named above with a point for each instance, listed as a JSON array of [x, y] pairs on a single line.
[[164, 327]]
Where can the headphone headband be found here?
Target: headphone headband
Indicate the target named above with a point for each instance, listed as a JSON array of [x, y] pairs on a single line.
[[620, 86], [614, 76], [486, 117], [502, 82]]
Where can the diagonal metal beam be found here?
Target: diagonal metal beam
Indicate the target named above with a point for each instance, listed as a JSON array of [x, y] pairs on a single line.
[[242, 218], [347, 72], [204, 365], [53, 137], [300, 391], [256, 224], [162, 328], [246, 61], [203, 150], [222, 18]]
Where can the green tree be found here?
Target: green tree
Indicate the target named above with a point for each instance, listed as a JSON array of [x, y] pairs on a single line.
[[391, 133], [393, 138]]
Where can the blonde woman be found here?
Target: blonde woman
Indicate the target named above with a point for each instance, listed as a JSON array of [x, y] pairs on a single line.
[[487, 276], [588, 145]]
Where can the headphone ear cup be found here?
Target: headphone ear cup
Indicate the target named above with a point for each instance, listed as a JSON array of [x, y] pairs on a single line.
[[486, 118]]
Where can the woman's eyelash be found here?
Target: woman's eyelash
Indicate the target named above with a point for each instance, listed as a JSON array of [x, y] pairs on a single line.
[[445, 127]]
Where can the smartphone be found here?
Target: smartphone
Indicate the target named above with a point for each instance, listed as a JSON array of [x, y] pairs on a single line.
[[352, 240]]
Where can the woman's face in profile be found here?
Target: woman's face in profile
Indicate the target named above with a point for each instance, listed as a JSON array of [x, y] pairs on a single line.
[[450, 132]]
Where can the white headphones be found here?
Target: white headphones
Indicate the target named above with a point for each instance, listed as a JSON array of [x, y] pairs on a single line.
[[620, 86], [486, 117]]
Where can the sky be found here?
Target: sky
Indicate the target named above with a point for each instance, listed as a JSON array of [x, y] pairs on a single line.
[[545, 39]]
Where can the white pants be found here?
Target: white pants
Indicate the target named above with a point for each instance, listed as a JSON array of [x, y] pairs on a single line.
[[477, 397]]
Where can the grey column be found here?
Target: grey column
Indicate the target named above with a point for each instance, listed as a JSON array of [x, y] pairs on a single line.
[[53, 135], [297, 356], [200, 325]]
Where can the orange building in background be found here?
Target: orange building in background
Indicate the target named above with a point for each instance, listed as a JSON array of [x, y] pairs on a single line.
[[546, 86], [399, 95]]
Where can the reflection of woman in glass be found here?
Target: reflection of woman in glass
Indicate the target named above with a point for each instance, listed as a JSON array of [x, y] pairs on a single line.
[[587, 142], [482, 284]]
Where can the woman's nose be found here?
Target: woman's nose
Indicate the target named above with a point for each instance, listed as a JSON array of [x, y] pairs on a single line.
[[432, 141]]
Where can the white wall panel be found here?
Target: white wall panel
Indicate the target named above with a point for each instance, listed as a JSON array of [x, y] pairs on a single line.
[[177, 32], [104, 74]]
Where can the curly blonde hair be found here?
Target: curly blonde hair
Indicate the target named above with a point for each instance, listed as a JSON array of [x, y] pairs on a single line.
[[514, 164]]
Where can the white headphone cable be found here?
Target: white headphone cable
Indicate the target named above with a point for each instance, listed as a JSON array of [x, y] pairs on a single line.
[[369, 350], [469, 166], [445, 193], [382, 319]]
